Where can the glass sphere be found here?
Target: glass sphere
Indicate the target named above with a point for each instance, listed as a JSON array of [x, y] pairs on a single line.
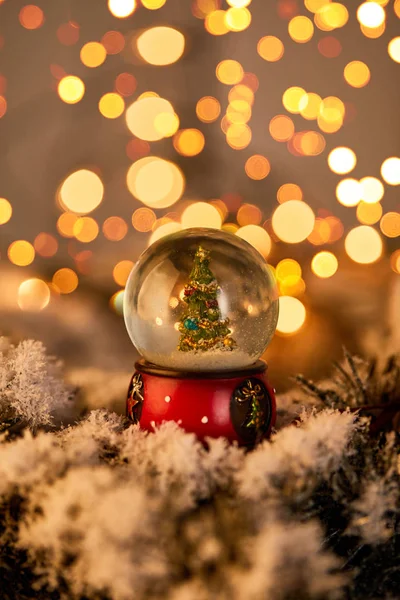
[[201, 300]]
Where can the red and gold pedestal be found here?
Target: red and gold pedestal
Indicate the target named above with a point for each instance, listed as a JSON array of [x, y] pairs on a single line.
[[239, 405]]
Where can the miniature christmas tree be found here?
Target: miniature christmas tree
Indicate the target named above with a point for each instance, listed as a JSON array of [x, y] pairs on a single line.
[[201, 326]]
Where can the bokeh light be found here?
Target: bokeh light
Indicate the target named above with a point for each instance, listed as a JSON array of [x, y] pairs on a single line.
[[357, 74], [85, 229], [324, 264], [189, 142], [238, 136], [390, 170], [201, 214], [310, 106], [257, 167], [270, 48], [281, 128], [321, 233], [3, 106], [167, 124], [125, 84], [31, 16], [208, 109], [142, 114], [301, 29], [45, 245], [156, 182], [21, 253], [111, 105], [115, 229], [257, 237], [229, 72], [395, 261], [394, 49], [237, 19], [33, 295], [349, 192], [342, 160], [331, 15], [293, 221], [249, 214], [329, 46], [117, 302], [65, 224], [363, 244], [390, 224], [292, 315], [121, 8], [371, 14], [161, 45], [143, 219], [289, 191], [81, 192], [65, 281], [93, 54], [293, 99], [5, 211], [121, 271], [215, 23], [68, 33], [372, 189], [71, 89], [369, 214], [113, 42], [153, 4]]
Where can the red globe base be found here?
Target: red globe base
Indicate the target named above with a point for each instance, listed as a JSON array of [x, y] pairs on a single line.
[[238, 405]]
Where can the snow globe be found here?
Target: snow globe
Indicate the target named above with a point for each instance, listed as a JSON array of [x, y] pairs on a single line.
[[201, 306]]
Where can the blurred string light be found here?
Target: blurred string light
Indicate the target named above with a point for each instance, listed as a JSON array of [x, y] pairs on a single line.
[[229, 72], [324, 264], [142, 114], [394, 49], [85, 229], [357, 74], [293, 221], [45, 245], [161, 45], [65, 281], [21, 253], [390, 170], [121, 8], [71, 89], [153, 4], [369, 214], [289, 191], [372, 190], [208, 109], [237, 18], [68, 33], [93, 54], [371, 14], [111, 105], [292, 315], [249, 214], [189, 142], [65, 224], [257, 237], [390, 224], [125, 84], [270, 48], [113, 42], [33, 295], [121, 271], [281, 128], [201, 214], [114, 229], [349, 192], [257, 167], [301, 29], [363, 244], [165, 229], [81, 192], [117, 302], [143, 219], [5, 211], [342, 160], [156, 182], [31, 16]]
